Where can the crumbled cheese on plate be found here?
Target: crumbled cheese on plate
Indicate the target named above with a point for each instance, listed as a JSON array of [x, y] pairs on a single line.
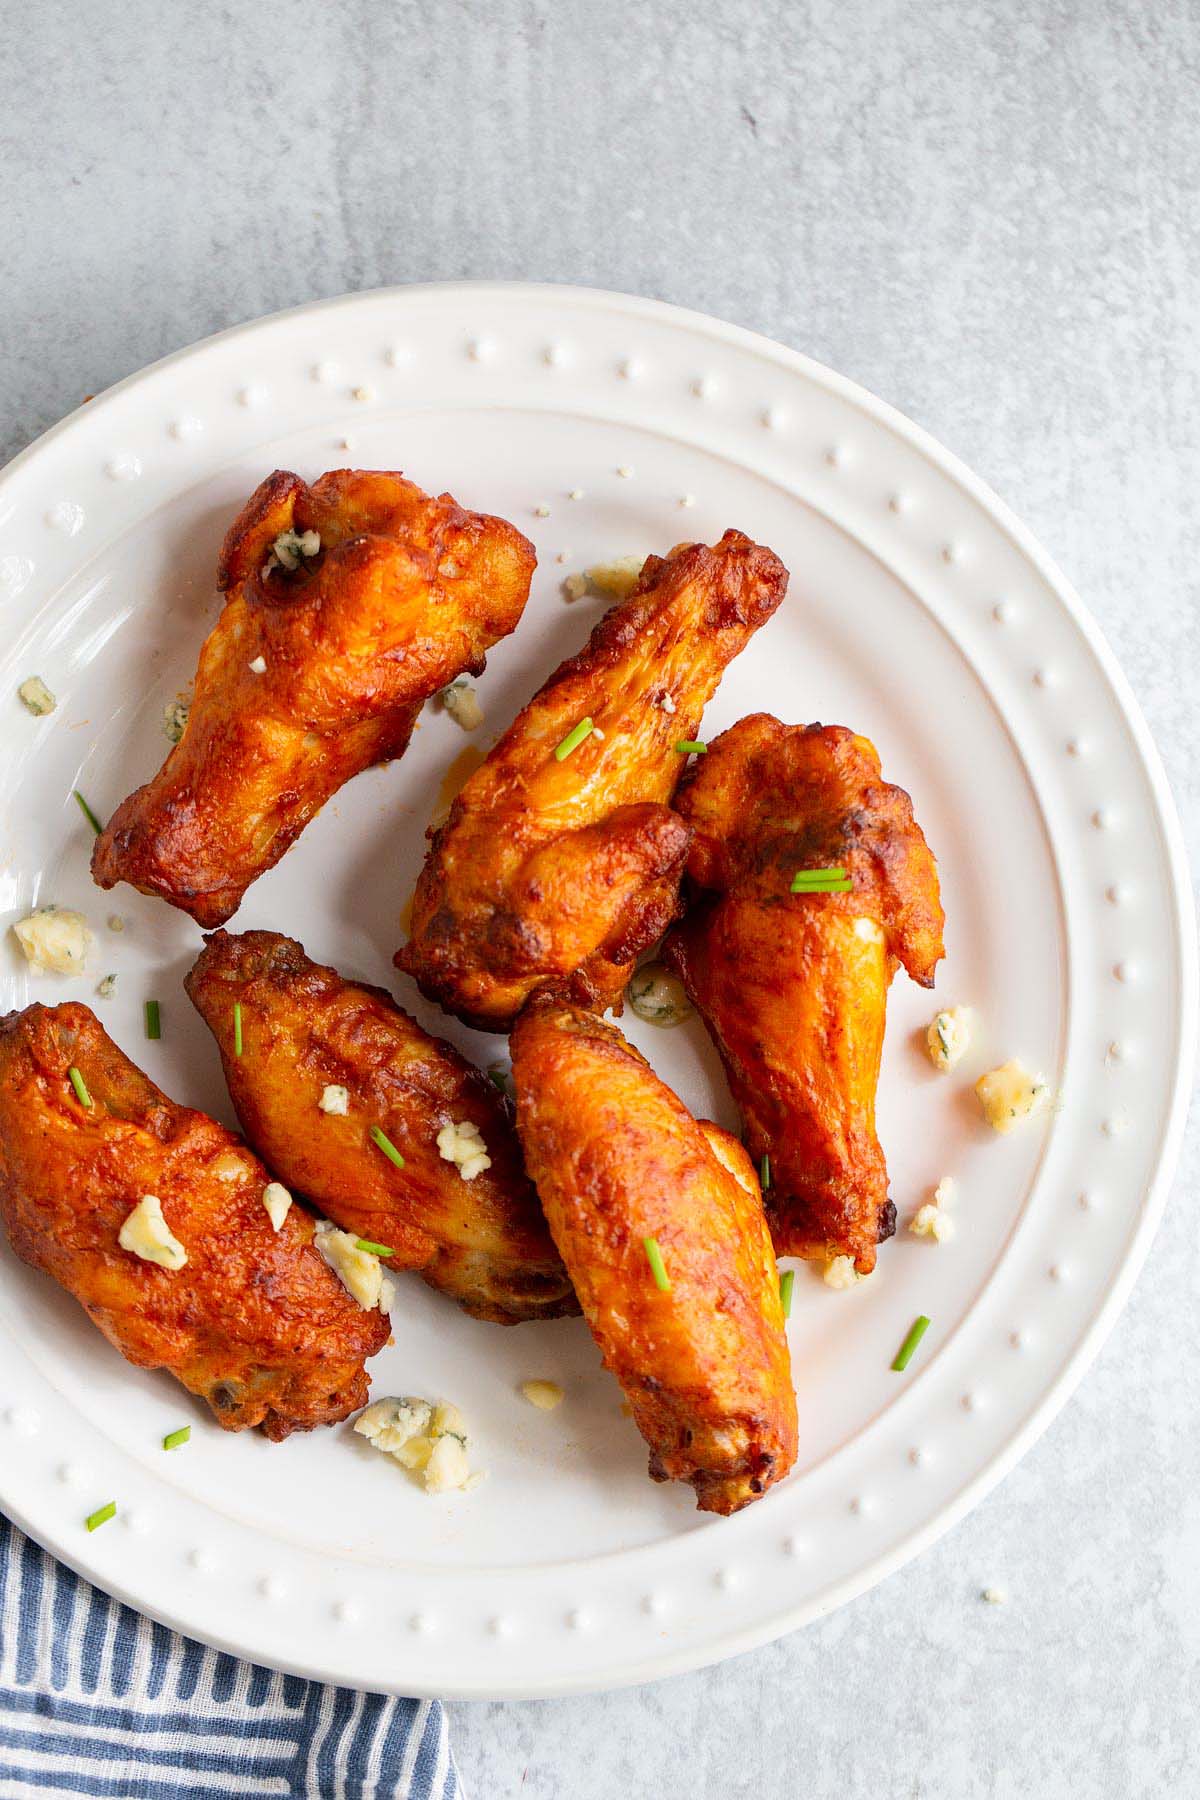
[[427, 1438], [933, 1219], [618, 577], [545, 1395], [948, 1037], [462, 703], [55, 940], [1010, 1094], [174, 719], [658, 996], [840, 1273], [36, 697]]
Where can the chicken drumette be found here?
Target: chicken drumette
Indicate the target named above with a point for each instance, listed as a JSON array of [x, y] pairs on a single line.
[[349, 603], [562, 864], [793, 986], [254, 1321]]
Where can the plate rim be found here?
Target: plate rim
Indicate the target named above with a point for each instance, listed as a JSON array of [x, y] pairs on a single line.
[[716, 1646]]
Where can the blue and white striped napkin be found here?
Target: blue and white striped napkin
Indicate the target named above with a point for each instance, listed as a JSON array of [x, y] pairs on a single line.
[[95, 1700]]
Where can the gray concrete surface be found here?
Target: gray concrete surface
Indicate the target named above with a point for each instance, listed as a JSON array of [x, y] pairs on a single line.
[[987, 213]]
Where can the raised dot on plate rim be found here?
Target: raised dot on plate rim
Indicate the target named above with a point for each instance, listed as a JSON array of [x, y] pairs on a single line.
[[918, 1457], [1002, 612], [576, 1619], [773, 417], [396, 355], [553, 356], [326, 371], [66, 515], [654, 1604], [187, 426], [702, 387], [629, 368], [125, 466], [499, 1626], [420, 1621], [725, 1578], [255, 394]]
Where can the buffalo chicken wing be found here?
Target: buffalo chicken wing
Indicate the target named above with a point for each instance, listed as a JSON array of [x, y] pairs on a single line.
[[618, 1160], [253, 1321], [793, 986], [306, 1037], [349, 603], [561, 858]]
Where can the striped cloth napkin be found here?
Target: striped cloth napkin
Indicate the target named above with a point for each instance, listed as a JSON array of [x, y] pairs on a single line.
[[96, 1700]]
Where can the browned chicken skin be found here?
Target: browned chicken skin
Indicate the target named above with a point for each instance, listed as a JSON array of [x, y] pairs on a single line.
[[552, 870], [793, 987], [484, 1242], [404, 593], [617, 1158], [255, 1322]]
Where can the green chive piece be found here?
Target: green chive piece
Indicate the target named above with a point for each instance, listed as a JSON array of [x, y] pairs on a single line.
[[386, 1145], [87, 812], [904, 1355], [691, 747], [657, 1266], [153, 1020], [80, 1086], [764, 1172], [787, 1282], [821, 881], [173, 1439], [573, 739], [373, 1249], [237, 1028], [101, 1516]]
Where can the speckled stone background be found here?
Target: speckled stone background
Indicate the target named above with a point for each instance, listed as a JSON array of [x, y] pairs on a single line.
[[984, 210]]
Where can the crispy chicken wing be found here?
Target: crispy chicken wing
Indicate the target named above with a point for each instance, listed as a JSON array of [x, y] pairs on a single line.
[[254, 1322], [617, 1158], [550, 869], [793, 987], [482, 1241], [314, 671]]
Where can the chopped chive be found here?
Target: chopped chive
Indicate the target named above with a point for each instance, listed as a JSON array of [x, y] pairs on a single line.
[[691, 747], [386, 1145], [237, 1028], [173, 1439], [764, 1172], [153, 1020], [787, 1282], [920, 1326], [835, 873], [657, 1266], [573, 739], [101, 1516], [821, 881], [80, 1086], [87, 812], [373, 1249]]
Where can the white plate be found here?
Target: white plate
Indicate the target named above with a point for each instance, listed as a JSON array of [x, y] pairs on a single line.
[[921, 614]]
